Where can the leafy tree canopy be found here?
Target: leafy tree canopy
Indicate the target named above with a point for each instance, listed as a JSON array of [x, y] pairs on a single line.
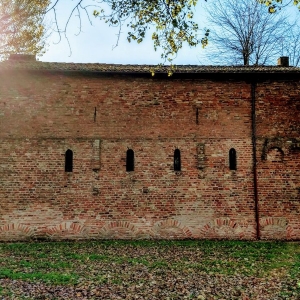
[[274, 5], [170, 22], [21, 26]]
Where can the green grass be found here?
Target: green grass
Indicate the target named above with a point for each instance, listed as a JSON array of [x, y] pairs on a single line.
[[48, 277], [71, 262]]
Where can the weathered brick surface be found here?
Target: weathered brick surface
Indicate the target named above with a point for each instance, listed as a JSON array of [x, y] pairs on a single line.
[[99, 117], [278, 124]]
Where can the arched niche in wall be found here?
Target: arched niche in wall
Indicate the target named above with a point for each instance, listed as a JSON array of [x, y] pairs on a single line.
[[275, 154], [69, 161]]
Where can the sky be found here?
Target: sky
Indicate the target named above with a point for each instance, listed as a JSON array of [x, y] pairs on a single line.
[[96, 42]]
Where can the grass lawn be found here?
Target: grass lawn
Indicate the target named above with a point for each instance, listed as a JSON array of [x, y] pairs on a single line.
[[150, 270]]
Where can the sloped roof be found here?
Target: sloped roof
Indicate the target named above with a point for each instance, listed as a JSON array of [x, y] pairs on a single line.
[[12, 64]]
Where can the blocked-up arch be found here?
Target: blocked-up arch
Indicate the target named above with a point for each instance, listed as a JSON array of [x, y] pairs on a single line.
[[270, 144], [119, 230], [170, 229], [276, 228], [275, 154], [67, 229], [226, 228], [15, 231]]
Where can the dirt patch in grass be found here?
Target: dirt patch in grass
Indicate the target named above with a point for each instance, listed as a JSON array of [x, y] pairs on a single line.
[[150, 270]]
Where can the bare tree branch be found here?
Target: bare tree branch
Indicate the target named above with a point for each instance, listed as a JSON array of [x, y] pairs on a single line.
[[170, 21], [244, 32], [291, 45]]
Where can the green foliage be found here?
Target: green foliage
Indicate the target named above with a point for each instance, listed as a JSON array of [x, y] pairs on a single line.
[[49, 277], [21, 26], [274, 5], [171, 23]]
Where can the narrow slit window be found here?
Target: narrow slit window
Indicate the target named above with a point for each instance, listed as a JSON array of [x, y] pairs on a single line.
[[177, 160], [129, 160], [69, 161], [232, 159]]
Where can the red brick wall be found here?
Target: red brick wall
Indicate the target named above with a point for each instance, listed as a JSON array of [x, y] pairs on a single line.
[[278, 130], [99, 117]]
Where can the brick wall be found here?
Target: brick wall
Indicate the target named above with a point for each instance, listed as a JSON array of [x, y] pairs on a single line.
[[278, 124], [99, 117]]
